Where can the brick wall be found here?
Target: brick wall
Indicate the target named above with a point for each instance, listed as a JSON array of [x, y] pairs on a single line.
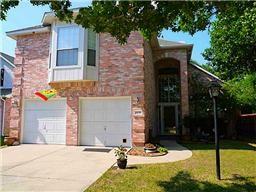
[[121, 73], [7, 115], [150, 89]]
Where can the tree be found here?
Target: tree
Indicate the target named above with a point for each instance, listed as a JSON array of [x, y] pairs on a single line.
[[233, 42], [243, 91], [120, 18]]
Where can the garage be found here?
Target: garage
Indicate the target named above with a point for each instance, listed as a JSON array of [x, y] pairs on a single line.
[[105, 121], [44, 122]]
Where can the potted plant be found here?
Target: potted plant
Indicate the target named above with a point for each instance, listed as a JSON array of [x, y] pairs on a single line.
[[120, 153], [150, 148]]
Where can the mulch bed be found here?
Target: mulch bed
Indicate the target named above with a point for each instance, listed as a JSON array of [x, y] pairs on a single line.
[[141, 152]]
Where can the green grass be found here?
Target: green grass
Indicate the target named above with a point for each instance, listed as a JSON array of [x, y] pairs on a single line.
[[238, 170]]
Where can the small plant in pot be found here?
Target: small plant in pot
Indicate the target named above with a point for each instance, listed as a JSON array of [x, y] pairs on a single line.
[[120, 153], [150, 148]]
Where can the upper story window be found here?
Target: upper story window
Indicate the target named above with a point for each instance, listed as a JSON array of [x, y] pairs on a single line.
[[74, 53], [67, 46], [91, 50], [2, 78]]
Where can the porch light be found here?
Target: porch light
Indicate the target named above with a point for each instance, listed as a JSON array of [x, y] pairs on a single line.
[[214, 89]]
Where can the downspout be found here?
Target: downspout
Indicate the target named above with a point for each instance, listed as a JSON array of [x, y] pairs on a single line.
[[3, 112]]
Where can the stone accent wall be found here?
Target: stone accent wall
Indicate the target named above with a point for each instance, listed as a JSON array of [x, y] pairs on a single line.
[[121, 73], [150, 90]]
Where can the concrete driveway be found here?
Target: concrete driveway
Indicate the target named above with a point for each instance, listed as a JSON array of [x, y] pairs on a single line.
[[51, 167]]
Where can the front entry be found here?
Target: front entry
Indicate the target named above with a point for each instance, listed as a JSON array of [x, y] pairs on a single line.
[[169, 96], [168, 119]]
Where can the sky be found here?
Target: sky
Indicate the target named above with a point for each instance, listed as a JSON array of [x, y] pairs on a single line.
[[26, 15]]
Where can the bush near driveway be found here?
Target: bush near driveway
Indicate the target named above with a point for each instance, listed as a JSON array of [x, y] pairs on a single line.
[[238, 170]]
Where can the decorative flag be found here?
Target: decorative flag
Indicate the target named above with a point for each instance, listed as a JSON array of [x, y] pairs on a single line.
[[46, 94]]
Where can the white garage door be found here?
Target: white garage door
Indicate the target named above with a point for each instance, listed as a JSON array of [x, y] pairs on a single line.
[[105, 121], [45, 122]]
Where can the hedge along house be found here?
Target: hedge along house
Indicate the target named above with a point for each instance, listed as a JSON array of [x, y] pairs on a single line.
[[108, 94]]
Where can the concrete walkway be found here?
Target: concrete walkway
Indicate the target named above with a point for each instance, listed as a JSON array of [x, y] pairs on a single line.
[[51, 167], [176, 152]]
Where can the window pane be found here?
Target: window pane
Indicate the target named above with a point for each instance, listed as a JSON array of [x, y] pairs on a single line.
[[91, 57], [67, 57], [91, 39], [2, 78], [68, 37]]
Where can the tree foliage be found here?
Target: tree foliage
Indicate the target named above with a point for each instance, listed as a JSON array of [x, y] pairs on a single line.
[[233, 41], [243, 90], [120, 18]]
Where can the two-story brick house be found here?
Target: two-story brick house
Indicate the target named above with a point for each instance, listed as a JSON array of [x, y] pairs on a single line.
[[108, 94]]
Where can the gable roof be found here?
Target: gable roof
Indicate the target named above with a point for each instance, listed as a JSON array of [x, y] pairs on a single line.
[[28, 30], [207, 72], [9, 59], [173, 44], [167, 43]]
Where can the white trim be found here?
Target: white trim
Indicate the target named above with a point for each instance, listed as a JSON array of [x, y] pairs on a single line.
[[205, 71], [14, 34], [7, 61]]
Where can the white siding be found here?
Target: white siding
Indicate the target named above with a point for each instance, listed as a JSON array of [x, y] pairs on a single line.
[[65, 74]]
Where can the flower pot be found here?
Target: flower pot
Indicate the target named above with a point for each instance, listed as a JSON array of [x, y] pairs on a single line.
[[9, 140], [122, 163], [150, 150]]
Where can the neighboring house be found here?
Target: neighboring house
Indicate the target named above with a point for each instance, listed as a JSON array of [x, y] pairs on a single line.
[[108, 94], [6, 66]]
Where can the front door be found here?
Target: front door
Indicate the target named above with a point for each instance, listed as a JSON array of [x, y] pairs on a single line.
[[168, 119]]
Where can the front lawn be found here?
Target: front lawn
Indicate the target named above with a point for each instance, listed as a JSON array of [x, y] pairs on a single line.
[[238, 170]]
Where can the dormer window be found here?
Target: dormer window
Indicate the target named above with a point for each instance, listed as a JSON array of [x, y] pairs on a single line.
[[67, 46]]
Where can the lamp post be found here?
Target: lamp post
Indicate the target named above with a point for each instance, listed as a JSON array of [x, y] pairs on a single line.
[[214, 91]]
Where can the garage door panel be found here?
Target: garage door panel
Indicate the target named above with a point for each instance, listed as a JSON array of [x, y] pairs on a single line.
[[92, 128], [118, 128], [45, 122], [118, 140], [94, 116], [40, 105], [117, 116], [105, 121], [92, 139]]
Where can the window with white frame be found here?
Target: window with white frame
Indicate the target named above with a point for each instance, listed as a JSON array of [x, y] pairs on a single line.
[[91, 49], [67, 46]]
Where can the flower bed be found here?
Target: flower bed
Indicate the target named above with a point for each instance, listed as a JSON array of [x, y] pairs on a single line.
[[140, 152]]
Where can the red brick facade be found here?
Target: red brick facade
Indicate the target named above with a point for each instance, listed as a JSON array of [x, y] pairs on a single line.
[[6, 106], [123, 71]]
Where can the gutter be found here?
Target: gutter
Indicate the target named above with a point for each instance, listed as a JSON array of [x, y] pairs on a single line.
[[14, 34]]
